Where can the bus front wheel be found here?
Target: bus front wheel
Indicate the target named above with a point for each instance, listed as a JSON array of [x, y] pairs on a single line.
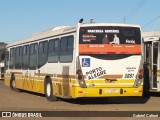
[[49, 90]]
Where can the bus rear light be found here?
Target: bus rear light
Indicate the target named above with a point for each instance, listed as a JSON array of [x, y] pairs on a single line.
[[141, 71], [81, 79], [79, 72], [140, 76], [81, 82], [138, 82]]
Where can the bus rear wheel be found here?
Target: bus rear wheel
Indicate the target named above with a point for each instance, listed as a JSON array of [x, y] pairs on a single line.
[[49, 90], [13, 83]]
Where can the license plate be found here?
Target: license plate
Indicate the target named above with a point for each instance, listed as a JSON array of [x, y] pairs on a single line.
[[111, 91]]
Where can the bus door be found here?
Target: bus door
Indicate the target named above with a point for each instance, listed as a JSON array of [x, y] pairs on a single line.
[[155, 66], [147, 66], [158, 68]]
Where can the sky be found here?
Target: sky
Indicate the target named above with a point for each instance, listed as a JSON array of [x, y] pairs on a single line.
[[21, 18]]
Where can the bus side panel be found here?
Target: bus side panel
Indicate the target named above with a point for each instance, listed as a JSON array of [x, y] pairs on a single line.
[[61, 87], [7, 80], [55, 87], [19, 82], [29, 83], [35, 84], [38, 86]]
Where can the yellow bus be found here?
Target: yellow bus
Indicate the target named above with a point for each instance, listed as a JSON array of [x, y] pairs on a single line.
[[86, 60]]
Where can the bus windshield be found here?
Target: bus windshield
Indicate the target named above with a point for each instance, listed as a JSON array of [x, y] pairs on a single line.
[[110, 35], [110, 39]]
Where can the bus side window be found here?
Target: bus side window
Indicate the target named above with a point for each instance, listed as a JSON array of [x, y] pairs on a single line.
[[42, 53], [53, 51], [66, 49], [18, 59], [33, 56], [70, 44], [25, 57], [7, 60], [12, 58]]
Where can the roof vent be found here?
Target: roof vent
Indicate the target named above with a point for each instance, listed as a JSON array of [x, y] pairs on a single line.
[[59, 27]]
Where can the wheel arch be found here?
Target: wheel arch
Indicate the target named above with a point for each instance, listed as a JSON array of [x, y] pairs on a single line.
[[12, 76], [46, 79]]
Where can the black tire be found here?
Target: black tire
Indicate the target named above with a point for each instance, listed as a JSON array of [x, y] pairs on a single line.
[[48, 89], [13, 83], [146, 88], [146, 82]]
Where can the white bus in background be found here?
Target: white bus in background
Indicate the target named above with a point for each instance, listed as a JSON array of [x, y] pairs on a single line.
[[86, 60], [2, 59], [151, 49], [2, 69]]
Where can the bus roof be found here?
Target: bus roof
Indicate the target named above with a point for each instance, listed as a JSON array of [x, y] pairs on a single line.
[[151, 35], [155, 33], [109, 24], [44, 35], [60, 30]]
